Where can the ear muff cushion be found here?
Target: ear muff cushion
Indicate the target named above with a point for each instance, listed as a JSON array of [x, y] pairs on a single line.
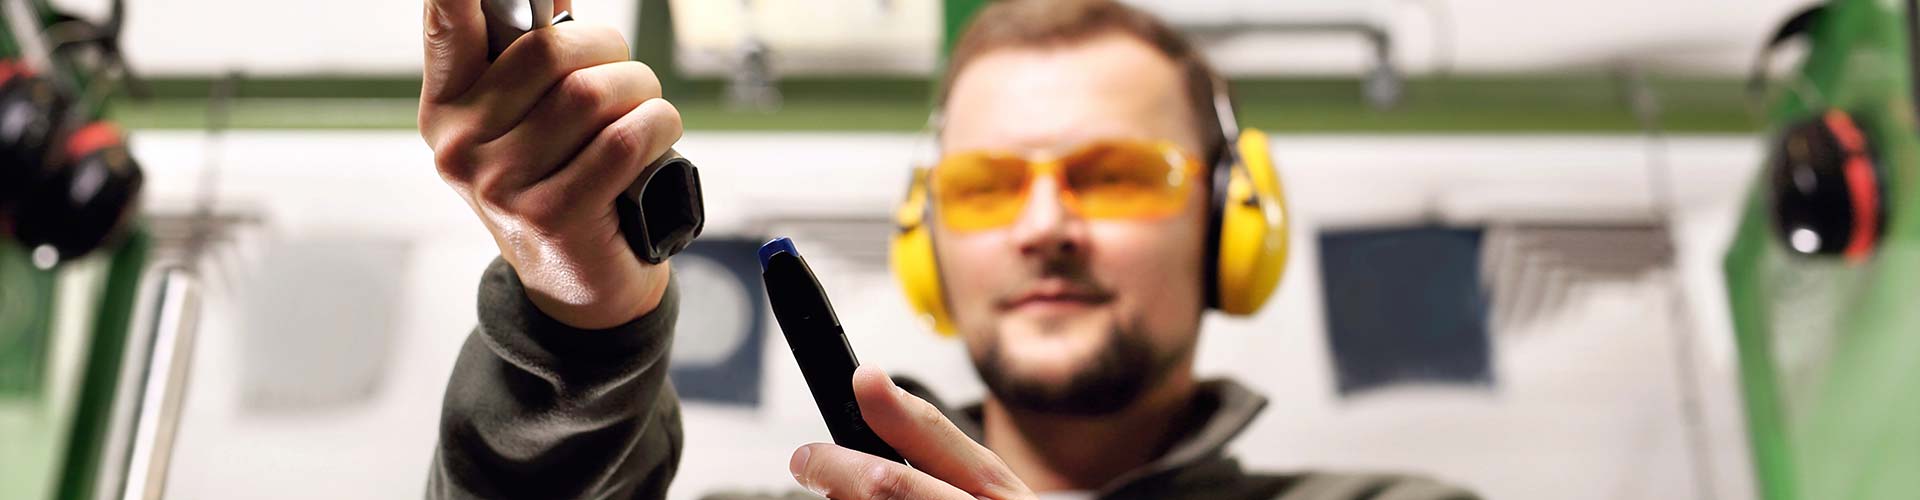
[[1253, 229], [912, 259]]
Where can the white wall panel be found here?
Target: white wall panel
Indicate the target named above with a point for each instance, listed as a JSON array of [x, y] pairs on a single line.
[[1585, 410]]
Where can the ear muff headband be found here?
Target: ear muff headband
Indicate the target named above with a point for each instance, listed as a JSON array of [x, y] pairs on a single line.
[[1247, 236]]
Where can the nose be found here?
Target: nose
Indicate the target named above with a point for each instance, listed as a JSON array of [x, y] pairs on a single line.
[[1046, 229]]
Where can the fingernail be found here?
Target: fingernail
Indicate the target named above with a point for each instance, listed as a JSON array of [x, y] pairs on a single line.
[[892, 387], [799, 462], [897, 390]]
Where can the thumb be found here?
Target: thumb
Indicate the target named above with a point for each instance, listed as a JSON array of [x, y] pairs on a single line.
[[928, 440]]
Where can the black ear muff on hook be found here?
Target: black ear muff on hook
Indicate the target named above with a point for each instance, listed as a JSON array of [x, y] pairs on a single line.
[[30, 111], [84, 200], [1825, 185], [67, 190], [69, 183], [1826, 189]]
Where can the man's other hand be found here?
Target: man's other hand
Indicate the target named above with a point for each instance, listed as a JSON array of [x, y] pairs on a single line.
[[946, 464]]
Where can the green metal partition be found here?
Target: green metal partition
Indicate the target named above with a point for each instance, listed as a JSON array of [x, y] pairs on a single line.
[[63, 365], [1830, 351], [64, 335]]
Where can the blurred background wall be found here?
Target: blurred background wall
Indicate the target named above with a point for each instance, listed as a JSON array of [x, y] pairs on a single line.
[[333, 319], [1587, 403], [362, 37]]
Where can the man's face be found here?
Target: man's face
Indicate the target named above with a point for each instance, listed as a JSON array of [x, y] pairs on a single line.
[[1061, 313]]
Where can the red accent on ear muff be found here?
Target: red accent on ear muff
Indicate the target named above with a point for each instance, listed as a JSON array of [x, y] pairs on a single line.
[[8, 69], [1862, 184], [92, 138]]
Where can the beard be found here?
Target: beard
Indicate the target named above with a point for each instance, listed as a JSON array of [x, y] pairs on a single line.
[[1121, 371]]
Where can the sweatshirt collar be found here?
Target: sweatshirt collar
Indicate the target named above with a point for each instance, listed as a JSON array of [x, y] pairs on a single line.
[[1222, 409]]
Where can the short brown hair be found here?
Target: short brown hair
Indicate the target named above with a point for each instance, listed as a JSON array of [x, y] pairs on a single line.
[[1046, 23]]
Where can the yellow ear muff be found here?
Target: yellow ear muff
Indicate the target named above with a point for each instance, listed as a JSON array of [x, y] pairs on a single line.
[[1252, 246], [1253, 229], [913, 260]]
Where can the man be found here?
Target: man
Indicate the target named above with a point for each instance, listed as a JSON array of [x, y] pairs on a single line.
[[1081, 322]]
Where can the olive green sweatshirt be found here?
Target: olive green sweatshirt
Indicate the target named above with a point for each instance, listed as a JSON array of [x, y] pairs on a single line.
[[538, 409]]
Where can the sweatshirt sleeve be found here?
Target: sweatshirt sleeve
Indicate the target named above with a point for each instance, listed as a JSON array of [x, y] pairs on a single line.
[[538, 409]]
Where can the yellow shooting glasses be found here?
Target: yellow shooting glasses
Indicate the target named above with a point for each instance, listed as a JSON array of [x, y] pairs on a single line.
[[1106, 179]]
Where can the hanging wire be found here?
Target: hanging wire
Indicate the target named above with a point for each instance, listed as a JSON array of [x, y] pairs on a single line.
[[204, 227], [1646, 108]]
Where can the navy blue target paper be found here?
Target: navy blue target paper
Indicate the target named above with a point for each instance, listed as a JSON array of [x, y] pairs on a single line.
[[1405, 305]]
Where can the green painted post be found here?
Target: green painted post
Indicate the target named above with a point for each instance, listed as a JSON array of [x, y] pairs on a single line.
[[954, 17], [26, 313], [105, 353], [653, 44], [9, 48]]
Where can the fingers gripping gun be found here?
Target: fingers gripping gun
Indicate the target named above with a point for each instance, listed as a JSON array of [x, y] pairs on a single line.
[[663, 211]]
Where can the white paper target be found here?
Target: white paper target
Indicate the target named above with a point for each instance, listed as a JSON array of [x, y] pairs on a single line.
[[715, 312]]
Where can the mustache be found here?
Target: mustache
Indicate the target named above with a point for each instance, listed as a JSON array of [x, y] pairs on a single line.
[[1057, 275]]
